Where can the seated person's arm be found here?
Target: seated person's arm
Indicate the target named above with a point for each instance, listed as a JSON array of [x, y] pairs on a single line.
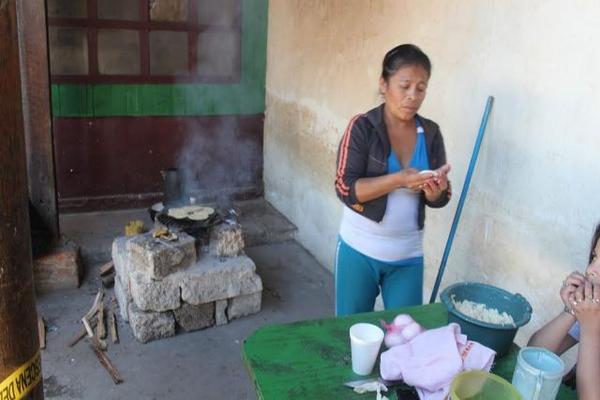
[[588, 361], [588, 366], [554, 336]]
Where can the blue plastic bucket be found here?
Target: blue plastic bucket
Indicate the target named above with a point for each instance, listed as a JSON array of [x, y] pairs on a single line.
[[495, 336]]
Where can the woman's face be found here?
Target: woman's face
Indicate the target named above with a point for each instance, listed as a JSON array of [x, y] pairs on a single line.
[[404, 91], [593, 270]]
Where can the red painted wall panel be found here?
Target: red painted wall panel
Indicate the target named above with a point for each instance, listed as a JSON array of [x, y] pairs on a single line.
[[115, 162]]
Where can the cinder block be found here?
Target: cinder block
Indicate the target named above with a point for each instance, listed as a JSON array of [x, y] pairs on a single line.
[[123, 298], [244, 305], [147, 326], [152, 295], [120, 255], [227, 240], [212, 279], [220, 312], [192, 318], [158, 258]]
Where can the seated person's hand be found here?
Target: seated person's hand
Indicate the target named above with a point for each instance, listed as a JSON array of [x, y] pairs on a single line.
[[586, 306], [569, 286]]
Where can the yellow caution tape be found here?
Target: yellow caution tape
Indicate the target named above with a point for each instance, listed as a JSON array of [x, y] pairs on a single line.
[[19, 383]]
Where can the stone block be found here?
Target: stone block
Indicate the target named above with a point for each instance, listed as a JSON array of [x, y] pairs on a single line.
[[120, 257], [59, 269], [241, 306], [192, 318], [212, 279], [227, 240], [220, 312], [159, 258], [123, 299], [147, 326], [152, 295]]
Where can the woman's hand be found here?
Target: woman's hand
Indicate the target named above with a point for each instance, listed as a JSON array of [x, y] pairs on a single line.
[[586, 305], [434, 187], [569, 286], [411, 179]]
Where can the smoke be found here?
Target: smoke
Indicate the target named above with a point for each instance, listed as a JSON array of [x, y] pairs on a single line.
[[219, 159]]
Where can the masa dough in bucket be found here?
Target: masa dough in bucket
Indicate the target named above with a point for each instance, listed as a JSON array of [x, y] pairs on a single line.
[[482, 313]]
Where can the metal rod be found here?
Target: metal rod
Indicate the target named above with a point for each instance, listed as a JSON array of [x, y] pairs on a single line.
[[463, 196]]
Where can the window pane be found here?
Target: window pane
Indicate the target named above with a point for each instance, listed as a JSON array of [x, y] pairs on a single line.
[[67, 8], [118, 52], [68, 51], [168, 10], [119, 9], [168, 53], [223, 12], [217, 53]]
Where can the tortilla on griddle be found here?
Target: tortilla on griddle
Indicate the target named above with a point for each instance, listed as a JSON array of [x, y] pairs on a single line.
[[196, 213]]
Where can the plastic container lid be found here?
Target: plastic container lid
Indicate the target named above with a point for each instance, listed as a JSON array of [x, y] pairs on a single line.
[[481, 385]]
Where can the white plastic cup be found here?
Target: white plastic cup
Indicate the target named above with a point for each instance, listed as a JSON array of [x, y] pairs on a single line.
[[365, 341]]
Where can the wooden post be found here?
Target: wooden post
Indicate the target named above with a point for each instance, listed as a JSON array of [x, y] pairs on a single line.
[[19, 342], [33, 43]]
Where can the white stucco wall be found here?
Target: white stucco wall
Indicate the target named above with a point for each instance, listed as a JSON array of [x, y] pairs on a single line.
[[531, 209]]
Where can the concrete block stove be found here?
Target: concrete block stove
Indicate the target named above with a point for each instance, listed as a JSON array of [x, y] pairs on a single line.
[[166, 286]]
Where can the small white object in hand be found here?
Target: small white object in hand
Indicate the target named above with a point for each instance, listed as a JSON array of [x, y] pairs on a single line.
[[428, 171]]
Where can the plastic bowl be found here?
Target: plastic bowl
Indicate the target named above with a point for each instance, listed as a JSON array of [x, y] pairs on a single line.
[[481, 385], [495, 336]]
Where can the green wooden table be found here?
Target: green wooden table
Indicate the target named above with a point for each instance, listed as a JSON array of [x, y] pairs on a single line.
[[311, 359]]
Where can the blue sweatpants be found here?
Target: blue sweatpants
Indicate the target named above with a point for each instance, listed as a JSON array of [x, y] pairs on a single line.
[[359, 278]]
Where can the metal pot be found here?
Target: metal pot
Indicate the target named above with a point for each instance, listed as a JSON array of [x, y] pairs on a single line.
[[172, 192]]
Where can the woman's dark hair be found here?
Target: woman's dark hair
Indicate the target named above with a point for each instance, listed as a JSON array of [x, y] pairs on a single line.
[[594, 241], [401, 56]]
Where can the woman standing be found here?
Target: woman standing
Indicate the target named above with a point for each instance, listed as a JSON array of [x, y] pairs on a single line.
[[391, 163]]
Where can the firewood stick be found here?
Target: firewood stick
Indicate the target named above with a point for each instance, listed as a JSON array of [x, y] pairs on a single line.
[[101, 327], [41, 332], [105, 361], [112, 323], [95, 305], [88, 327], [91, 313], [106, 268], [80, 335]]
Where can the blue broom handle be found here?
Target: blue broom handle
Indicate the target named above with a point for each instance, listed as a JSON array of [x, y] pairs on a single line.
[[463, 196]]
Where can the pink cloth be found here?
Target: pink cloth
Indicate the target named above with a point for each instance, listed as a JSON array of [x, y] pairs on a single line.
[[433, 358]]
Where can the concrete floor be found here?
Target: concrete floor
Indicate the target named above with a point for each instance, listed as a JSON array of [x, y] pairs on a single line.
[[204, 364]]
